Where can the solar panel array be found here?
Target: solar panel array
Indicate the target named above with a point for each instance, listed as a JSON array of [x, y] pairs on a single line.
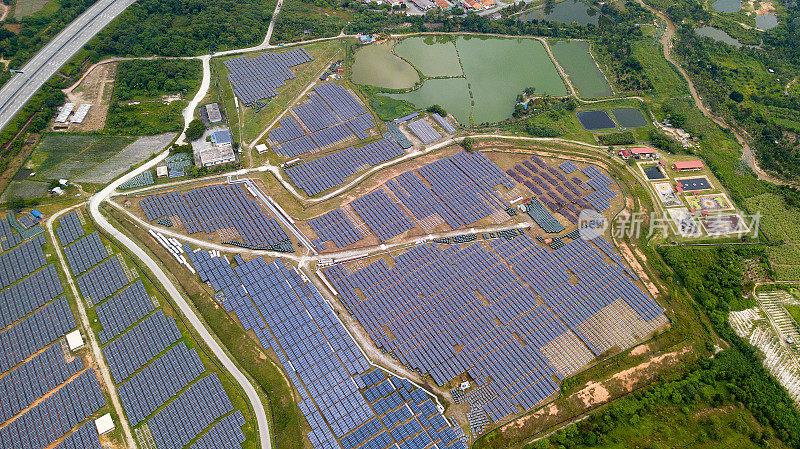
[[224, 435], [36, 331], [448, 128], [126, 307], [331, 170], [22, 260], [85, 253], [222, 206], [29, 294], [102, 281], [31, 380], [383, 217], [335, 226], [516, 327], [332, 376], [84, 438], [136, 347], [8, 238], [424, 131], [70, 228], [56, 415], [186, 416], [257, 78], [554, 193], [331, 115], [159, 381]]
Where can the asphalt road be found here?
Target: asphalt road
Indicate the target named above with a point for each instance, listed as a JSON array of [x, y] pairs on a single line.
[[21, 87], [183, 305]]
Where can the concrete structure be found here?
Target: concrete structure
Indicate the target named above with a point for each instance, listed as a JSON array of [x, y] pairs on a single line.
[[261, 148], [104, 424], [75, 340], [161, 171], [214, 114], [217, 151], [687, 165]]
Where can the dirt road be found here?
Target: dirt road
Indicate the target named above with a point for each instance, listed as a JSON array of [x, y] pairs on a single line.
[[748, 156]]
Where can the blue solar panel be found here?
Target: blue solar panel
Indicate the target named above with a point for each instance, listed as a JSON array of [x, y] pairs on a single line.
[[29, 294], [122, 310], [136, 347], [70, 228], [33, 333], [86, 437], [186, 416], [85, 253]]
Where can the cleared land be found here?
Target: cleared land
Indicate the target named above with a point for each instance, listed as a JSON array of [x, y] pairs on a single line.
[[135, 153], [67, 156]]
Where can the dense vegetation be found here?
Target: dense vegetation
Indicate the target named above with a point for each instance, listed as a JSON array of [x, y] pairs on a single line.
[[151, 79], [185, 27], [746, 85]]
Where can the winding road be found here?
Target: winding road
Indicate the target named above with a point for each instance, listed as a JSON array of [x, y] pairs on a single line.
[[186, 309], [748, 156]]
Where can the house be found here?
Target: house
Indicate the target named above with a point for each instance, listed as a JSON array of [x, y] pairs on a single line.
[[161, 171], [681, 166], [213, 112], [643, 153], [443, 4], [624, 153]]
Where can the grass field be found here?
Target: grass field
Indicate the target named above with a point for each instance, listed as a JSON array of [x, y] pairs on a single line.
[[794, 311], [145, 118], [248, 124], [27, 8], [67, 156], [25, 190]]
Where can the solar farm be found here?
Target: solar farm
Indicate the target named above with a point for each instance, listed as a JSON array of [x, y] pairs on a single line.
[[346, 401], [43, 386], [168, 395], [464, 190], [223, 209], [512, 315], [255, 79], [331, 115]]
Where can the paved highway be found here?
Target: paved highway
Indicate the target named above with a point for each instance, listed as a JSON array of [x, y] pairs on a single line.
[[21, 87], [183, 305]]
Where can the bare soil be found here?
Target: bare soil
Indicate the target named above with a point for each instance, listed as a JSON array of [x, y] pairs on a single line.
[[95, 88]]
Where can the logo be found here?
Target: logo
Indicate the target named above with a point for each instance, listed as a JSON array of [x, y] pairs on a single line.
[[591, 224]]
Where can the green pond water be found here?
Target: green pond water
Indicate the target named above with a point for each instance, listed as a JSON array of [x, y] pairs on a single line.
[[433, 55], [576, 59], [496, 71], [376, 65], [451, 94]]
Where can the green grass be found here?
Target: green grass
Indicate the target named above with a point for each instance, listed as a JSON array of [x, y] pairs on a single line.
[[302, 20], [386, 108], [27, 8], [723, 427], [66, 156], [794, 311], [145, 118], [666, 81]]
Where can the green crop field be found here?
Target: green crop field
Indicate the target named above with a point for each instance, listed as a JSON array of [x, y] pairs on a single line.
[[67, 156], [27, 8]]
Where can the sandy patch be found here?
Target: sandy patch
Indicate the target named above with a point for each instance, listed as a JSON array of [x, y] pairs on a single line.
[[594, 393], [637, 267], [641, 349], [95, 88]]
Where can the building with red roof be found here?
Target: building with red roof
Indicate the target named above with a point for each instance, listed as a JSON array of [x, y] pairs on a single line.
[[687, 165]]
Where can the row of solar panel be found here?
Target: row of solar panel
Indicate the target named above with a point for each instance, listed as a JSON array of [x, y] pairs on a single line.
[[255, 79], [70, 228], [39, 329], [159, 381], [21, 261], [29, 294], [85, 253], [56, 415], [30, 381], [136, 347], [126, 307], [102, 281]]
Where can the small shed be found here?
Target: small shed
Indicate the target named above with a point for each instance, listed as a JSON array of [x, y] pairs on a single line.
[[36, 213], [75, 340], [104, 424], [161, 171]]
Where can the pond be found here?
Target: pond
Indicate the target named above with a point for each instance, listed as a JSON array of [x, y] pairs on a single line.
[[495, 71], [434, 56], [568, 11], [376, 65], [766, 21], [576, 59], [452, 94], [729, 6], [718, 35]]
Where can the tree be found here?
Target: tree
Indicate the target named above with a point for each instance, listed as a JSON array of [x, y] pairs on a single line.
[[736, 96], [195, 130], [468, 144], [437, 109]]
